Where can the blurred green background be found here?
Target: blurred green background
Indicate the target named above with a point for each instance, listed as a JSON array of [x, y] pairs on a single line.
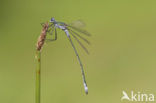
[[122, 51]]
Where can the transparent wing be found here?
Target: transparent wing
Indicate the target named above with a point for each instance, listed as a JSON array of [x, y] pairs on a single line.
[[78, 26], [79, 42], [79, 36]]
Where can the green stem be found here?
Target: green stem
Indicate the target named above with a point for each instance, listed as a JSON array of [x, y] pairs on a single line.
[[38, 76]]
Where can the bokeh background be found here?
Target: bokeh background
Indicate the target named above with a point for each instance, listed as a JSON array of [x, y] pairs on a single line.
[[122, 51]]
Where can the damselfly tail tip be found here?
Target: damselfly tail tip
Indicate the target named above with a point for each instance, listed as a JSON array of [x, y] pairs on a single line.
[[86, 88], [86, 91]]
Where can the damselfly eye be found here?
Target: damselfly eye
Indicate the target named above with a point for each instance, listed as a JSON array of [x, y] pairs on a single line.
[[52, 20]]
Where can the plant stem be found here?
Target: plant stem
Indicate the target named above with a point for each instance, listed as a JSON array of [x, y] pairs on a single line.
[[38, 76], [39, 46]]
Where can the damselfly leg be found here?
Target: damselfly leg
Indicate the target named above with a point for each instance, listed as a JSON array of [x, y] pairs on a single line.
[[52, 29]]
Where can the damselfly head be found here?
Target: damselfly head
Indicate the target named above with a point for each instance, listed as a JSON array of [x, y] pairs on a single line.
[[52, 19]]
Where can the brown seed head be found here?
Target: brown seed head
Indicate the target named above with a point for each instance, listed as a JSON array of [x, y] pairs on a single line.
[[42, 37]]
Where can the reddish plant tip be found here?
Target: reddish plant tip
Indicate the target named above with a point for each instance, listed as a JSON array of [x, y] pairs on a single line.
[[42, 37]]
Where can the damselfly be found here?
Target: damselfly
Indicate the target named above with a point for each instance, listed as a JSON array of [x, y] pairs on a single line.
[[69, 30]]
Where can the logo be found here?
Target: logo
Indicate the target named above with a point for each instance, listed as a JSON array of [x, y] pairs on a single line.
[[137, 96]]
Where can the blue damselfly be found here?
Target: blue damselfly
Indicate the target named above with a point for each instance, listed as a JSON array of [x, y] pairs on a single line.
[[71, 30]]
